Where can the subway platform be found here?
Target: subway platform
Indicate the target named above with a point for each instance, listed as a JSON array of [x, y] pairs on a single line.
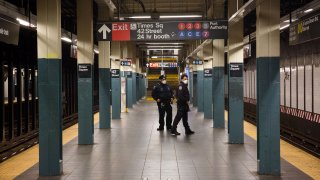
[[134, 150]]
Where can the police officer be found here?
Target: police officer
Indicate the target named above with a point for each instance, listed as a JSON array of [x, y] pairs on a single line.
[[163, 95], [183, 107]]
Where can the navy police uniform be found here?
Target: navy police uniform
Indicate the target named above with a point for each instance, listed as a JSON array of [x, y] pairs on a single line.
[[165, 94], [183, 97]]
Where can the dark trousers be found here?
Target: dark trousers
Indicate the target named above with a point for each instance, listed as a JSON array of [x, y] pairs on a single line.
[[181, 113], [165, 108]]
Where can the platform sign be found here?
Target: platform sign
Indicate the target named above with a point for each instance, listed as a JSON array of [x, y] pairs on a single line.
[[305, 29], [164, 65], [197, 62], [9, 32], [125, 62], [115, 73], [84, 70], [160, 31], [207, 72], [236, 69]]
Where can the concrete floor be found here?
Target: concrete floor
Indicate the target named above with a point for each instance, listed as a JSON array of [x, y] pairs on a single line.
[[134, 150]]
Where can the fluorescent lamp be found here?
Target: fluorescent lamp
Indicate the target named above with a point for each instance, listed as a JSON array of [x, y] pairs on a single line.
[[308, 10], [66, 39], [24, 22], [164, 43], [161, 49], [286, 21], [139, 17], [284, 27], [179, 16], [163, 46], [96, 51], [154, 57]]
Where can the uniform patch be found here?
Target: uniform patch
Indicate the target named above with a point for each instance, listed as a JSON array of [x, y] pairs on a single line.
[[180, 87]]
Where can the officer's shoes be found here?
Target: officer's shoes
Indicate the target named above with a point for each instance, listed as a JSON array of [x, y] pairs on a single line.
[[169, 128], [175, 133], [160, 129], [189, 132]]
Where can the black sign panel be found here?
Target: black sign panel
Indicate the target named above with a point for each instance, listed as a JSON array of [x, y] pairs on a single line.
[[115, 73], [207, 72], [236, 69], [84, 70], [160, 31], [306, 29], [9, 32]]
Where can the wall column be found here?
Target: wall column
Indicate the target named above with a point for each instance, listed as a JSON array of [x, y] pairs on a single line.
[[104, 75], [207, 85], [115, 79], [200, 84], [235, 76], [268, 87], [50, 87]]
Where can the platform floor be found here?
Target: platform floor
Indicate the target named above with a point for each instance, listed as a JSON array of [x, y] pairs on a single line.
[[133, 150]]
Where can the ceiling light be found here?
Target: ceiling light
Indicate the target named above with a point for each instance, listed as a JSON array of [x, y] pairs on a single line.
[[286, 21], [25, 23], [179, 16], [162, 49], [139, 17], [96, 51], [66, 39], [168, 43], [284, 27], [308, 10], [164, 46]]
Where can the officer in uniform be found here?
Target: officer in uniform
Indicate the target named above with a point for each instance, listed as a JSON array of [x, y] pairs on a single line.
[[183, 107], [163, 95]]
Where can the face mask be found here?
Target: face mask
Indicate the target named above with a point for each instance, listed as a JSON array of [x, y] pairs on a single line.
[[185, 81], [164, 82]]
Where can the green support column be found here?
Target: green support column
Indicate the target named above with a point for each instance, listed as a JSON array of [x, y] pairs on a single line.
[[191, 86], [195, 88], [49, 87], [115, 80], [85, 71], [268, 87], [129, 89], [218, 84], [207, 93], [235, 69], [104, 14], [200, 90], [134, 87]]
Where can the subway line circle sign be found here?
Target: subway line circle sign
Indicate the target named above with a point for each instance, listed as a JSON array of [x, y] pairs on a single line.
[[160, 31]]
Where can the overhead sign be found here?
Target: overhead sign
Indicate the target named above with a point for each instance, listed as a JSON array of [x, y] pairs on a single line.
[[165, 65], [306, 29], [159, 31], [9, 32], [197, 62], [125, 62], [207, 72]]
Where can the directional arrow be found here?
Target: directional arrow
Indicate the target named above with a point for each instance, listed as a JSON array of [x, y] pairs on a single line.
[[104, 29]]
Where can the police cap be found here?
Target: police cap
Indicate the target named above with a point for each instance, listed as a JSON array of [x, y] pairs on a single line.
[[162, 77]]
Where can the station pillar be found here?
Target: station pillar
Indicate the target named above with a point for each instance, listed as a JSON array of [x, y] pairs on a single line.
[[207, 84], [200, 84], [268, 87], [85, 70], [218, 83], [115, 80], [104, 75], [235, 76], [50, 87]]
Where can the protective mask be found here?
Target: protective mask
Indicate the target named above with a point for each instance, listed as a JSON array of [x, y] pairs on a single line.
[[185, 81], [164, 82]]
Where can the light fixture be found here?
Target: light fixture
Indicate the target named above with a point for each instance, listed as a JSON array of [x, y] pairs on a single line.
[[179, 16], [66, 39], [308, 10], [168, 43], [286, 21], [163, 46], [96, 51], [284, 27], [24, 22], [162, 49], [139, 17]]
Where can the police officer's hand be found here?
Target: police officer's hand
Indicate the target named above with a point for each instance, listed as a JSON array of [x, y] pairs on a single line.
[[158, 100]]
